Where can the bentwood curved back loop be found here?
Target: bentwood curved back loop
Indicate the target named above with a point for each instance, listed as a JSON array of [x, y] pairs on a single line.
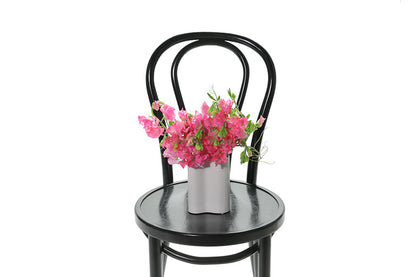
[[234, 49], [219, 39]]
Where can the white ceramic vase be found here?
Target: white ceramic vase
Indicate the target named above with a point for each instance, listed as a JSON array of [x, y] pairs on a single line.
[[209, 188]]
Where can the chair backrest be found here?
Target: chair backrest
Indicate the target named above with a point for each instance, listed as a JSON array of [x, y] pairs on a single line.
[[223, 40]]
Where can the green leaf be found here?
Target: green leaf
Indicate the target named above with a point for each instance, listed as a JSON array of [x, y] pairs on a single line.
[[214, 109], [223, 132], [198, 145], [210, 96], [243, 157], [232, 95], [251, 127], [198, 134]]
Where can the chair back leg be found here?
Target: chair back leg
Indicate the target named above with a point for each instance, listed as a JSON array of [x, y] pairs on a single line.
[[164, 259], [254, 260]]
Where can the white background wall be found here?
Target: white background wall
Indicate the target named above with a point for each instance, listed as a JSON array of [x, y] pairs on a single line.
[[73, 159]]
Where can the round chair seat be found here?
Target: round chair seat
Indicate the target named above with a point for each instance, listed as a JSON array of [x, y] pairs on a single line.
[[255, 213]]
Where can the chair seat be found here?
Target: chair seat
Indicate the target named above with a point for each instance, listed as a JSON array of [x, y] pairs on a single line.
[[255, 213]]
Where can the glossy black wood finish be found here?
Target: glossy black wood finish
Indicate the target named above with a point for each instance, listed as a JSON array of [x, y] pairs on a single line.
[[229, 42], [155, 257], [263, 263], [255, 213], [210, 260]]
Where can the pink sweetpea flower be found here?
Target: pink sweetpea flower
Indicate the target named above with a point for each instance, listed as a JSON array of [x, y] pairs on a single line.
[[200, 159], [169, 112], [151, 126], [261, 121], [171, 155], [237, 127], [194, 139], [172, 161], [176, 128], [156, 105], [226, 105], [204, 109], [197, 120], [183, 115]]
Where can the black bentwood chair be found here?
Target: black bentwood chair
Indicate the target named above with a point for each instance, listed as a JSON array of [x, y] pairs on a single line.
[[256, 213]]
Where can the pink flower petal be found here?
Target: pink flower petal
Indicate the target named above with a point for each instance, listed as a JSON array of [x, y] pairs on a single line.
[[169, 112], [261, 121], [156, 105]]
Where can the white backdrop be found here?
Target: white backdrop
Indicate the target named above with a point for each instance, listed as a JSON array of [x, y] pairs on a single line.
[[341, 134]]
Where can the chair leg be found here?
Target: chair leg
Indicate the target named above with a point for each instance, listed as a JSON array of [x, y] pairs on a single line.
[[254, 261], [264, 257], [164, 259], [155, 257]]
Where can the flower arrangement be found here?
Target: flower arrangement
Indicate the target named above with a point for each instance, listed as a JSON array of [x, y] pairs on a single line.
[[208, 135]]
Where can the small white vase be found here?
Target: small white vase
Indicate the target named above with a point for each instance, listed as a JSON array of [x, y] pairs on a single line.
[[209, 188]]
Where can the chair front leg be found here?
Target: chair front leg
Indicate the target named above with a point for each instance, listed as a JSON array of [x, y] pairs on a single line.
[[264, 257], [156, 258]]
